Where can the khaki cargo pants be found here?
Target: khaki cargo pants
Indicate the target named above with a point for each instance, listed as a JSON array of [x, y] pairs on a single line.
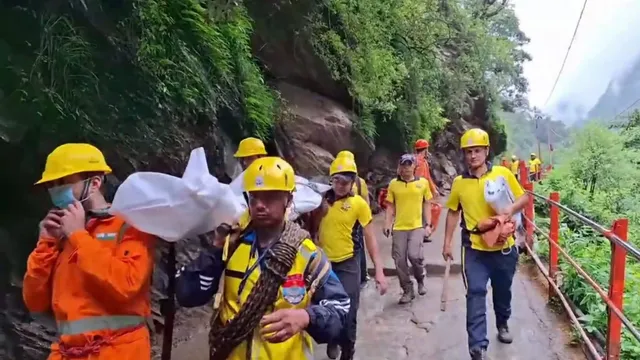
[[407, 244]]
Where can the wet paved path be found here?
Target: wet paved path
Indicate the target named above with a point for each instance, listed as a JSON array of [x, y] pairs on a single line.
[[420, 331]]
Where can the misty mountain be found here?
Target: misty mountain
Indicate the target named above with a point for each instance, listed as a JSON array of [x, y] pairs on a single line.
[[622, 95], [520, 127]]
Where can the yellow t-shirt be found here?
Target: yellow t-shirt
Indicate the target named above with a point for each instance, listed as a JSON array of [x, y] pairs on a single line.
[[408, 199], [364, 190], [534, 165], [337, 228], [467, 194], [515, 166]]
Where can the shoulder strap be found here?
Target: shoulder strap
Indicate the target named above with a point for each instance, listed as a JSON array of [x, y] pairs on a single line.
[[123, 229], [314, 268]]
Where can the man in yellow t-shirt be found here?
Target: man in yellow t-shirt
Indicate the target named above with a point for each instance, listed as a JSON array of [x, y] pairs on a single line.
[[515, 166], [409, 199], [359, 188], [338, 239], [480, 262], [534, 167]]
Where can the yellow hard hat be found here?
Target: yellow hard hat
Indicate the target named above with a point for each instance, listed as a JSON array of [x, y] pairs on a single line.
[[269, 174], [474, 137], [513, 157], [343, 165], [346, 153], [69, 159], [250, 147]]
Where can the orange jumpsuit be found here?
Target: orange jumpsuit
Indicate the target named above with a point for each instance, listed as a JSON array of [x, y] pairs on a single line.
[[422, 170], [97, 284]]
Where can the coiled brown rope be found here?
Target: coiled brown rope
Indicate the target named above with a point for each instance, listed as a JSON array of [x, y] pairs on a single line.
[[223, 338]]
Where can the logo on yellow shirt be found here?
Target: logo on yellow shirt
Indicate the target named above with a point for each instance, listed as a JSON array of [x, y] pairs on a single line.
[[345, 206], [294, 289]]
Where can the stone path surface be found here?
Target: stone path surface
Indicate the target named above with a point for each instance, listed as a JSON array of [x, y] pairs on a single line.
[[420, 331]]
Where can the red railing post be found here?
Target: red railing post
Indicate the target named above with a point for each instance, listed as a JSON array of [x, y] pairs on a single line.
[[529, 213], [523, 173], [554, 236], [616, 289]]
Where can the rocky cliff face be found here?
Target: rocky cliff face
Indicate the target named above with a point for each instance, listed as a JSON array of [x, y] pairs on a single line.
[[316, 124]]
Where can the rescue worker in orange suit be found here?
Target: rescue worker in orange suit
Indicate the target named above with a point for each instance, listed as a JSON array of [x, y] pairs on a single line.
[[482, 262], [274, 302], [422, 170], [249, 150], [89, 268]]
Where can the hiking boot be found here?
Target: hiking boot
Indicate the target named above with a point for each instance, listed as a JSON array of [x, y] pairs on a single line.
[[407, 297], [421, 289], [504, 336], [333, 351], [478, 354]]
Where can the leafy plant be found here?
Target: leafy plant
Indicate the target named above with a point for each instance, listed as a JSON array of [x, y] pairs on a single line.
[[597, 177]]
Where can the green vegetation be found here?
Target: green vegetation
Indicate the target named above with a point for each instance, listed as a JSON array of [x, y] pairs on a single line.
[[521, 125], [412, 64], [599, 175]]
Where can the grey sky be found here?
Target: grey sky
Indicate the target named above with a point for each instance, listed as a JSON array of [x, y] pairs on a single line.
[[607, 42]]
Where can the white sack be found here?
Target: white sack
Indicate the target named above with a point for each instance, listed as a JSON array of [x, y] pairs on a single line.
[[175, 208], [499, 196], [306, 198]]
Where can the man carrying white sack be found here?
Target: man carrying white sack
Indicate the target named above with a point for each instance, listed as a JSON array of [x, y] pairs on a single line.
[[279, 291]]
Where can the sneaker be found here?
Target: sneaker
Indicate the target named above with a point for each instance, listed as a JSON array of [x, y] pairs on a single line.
[[333, 351], [421, 289], [407, 297], [478, 354], [426, 239], [504, 336]]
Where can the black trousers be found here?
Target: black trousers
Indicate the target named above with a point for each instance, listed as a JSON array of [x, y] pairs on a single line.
[[348, 271]]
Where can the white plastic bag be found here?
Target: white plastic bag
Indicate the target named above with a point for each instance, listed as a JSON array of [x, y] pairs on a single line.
[[175, 208], [306, 198], [499, 196]]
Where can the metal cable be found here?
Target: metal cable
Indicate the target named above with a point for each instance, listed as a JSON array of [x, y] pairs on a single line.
[[565, 303], [632, 250], [575, 31]]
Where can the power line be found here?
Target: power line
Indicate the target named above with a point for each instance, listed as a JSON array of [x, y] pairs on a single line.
[[626, 109], [575, 31]]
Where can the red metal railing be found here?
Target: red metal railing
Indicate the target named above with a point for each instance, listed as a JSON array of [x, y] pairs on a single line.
[[617, 236]]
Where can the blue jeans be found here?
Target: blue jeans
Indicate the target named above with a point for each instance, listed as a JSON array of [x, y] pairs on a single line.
[[478, 268]]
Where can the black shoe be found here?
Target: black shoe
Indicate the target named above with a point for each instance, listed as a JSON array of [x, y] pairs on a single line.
[[333, 351], [478, 354], [504, 336], [347, 354], [426, 239]]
